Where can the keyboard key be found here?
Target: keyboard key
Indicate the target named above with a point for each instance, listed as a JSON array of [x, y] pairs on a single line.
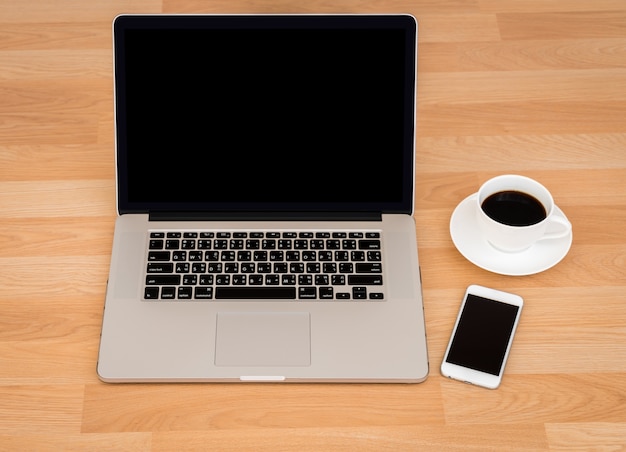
[[172, 244], [313, 267], [179, 255], [158, 256], [221, 244], [182, 267], [309, 256], [205, 244], [357, 256], [292, 256], [281, 267], [236, 244], [195, 255], [326, 293], [317, 244], [346, 267], [321, 280], [272, 280], [255, 280], [222, 280], [162, 280], [253, 244], [248, 267], [214, 267], [190, 280], [369, 244], [365, 280], [374, 267], [151, 293], [259, 293], [260, 256], [212, 256], [165, 267], [156, 244], [205, 293], [284, 244], [188, 244], [198, 267], [168, 293], [307, 293], [374, 256]]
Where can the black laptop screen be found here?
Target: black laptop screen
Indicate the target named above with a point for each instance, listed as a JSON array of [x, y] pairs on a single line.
[[265, 113]]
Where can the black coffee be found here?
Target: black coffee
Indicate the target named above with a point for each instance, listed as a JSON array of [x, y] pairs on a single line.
[[514, 208]]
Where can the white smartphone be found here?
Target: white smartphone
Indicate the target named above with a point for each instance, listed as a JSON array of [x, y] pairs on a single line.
[[482, 336]]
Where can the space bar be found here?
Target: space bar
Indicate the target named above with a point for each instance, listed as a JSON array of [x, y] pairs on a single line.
[[255, 293]]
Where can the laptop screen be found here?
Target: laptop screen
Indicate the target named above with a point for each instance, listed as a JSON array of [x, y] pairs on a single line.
[[265, 113]]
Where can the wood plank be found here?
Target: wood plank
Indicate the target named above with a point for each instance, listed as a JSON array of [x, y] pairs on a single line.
[[43, 409], [562, 25], [521, 118], [65, 198], [257, 406], [522, 55], [587, 435], [561, 398], [392, 438]]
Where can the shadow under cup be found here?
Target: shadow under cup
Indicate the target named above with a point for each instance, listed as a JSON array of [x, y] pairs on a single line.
[[515, 211]]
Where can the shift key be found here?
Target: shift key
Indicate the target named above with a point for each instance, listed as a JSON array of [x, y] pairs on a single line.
[[365, 280], [162, 280]]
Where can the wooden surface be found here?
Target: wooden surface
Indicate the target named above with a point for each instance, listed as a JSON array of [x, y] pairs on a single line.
[[536, 87]]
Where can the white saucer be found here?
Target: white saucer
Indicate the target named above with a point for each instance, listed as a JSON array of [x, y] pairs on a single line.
[[472, 244]]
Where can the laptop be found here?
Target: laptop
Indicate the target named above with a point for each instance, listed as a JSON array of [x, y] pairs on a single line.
[[265, 189]]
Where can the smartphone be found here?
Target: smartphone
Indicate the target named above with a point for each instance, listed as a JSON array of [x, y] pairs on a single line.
[[482, 336]]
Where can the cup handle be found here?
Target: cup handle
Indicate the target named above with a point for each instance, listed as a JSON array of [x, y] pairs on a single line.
[[565, 229]]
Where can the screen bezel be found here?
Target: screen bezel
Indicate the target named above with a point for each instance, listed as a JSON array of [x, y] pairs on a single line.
[[128, 22]]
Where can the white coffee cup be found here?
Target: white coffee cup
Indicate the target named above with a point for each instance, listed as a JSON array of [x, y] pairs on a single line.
[[510, 220]]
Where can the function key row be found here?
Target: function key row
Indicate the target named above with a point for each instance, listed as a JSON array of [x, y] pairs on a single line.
[[268, 235]]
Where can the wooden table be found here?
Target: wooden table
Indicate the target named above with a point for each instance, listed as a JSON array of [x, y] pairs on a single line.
[[516, 86]]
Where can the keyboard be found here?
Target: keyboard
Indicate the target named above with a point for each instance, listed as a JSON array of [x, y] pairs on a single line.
[[261, 265]]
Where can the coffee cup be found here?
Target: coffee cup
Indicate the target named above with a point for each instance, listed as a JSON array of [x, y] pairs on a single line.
[[514, 212]]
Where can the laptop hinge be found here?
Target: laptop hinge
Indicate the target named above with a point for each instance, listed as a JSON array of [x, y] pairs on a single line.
[[265, 216]]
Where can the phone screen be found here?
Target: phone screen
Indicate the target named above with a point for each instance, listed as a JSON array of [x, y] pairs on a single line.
[[482, 335]]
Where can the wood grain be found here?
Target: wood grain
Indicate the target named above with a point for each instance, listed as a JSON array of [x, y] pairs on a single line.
[[536, 87]]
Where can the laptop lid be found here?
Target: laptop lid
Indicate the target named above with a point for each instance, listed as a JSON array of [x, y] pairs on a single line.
[[268, 114]]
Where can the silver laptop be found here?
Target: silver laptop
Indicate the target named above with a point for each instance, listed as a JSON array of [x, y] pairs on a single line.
[[265, 188]]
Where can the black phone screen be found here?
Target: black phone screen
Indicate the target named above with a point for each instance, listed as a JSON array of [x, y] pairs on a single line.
[[482, 335]]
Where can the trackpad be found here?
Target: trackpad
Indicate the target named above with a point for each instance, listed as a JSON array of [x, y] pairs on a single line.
[[263, 339]]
